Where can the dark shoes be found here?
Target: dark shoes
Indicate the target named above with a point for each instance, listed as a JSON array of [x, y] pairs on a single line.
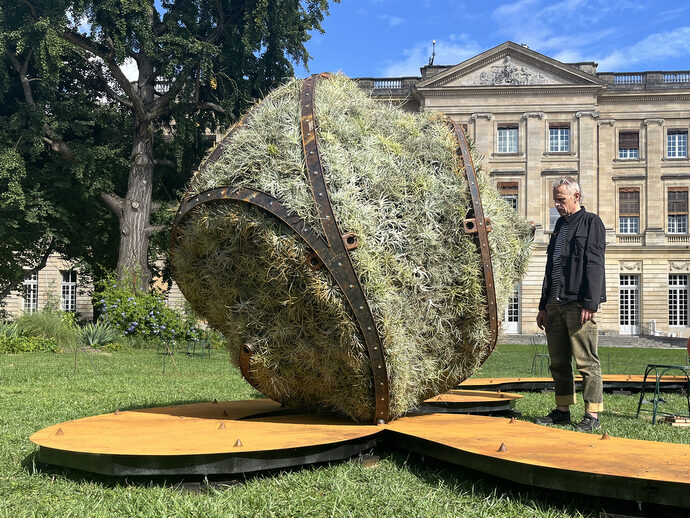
[[555, 417], [588, 424]]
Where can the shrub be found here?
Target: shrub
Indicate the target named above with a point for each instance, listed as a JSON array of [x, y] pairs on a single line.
[[142, 314], [57, 325], [114, 347], [98, 334], [9, 330], [25, 344]]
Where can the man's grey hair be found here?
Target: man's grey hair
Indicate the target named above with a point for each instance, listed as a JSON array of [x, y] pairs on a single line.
[[573, 185]]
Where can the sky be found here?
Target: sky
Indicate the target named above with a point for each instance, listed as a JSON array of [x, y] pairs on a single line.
[[393, 38]]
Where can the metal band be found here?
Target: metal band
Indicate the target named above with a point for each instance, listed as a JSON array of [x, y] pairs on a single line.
[[344, 273], [245, 357], [481, 228]]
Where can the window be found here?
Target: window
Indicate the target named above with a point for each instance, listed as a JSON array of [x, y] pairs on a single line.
[[677, 210], [553, 217], [677, 144], [559, 138], [30, 293], [678, 300], [629, 210], [628, 144], [509, 192], [68, 291], [507, 139]]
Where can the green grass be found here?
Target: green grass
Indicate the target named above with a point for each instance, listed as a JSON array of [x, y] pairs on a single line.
[[41, 389]]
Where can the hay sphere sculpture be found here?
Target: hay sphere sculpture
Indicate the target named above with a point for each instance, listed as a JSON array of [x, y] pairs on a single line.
[[348, 251]]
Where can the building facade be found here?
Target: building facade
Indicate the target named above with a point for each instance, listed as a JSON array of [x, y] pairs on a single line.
[[624, 136], [59, 285]]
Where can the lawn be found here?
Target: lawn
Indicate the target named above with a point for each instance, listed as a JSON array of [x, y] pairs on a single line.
[[41, 389]]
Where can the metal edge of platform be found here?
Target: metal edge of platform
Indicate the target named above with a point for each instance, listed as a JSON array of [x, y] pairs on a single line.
[[572, 481], [436, 407], [206, 464], [531, 386]]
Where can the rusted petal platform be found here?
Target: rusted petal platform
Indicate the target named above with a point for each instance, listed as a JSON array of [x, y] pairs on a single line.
[[632, 382], [642, 471], [470, 402], [246, 436], [205, 438]]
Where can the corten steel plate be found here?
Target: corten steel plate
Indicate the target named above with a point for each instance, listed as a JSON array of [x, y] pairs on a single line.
[[632, 382], [470, 402], [203, 439], [554, 458]]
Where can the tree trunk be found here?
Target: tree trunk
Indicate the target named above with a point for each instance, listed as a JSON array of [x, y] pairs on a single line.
[[135, 228], [132, 261]]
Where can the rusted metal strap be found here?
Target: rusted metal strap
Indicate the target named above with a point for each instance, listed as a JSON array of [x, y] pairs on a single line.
[[480, 226], [245, 358], [344, 272]]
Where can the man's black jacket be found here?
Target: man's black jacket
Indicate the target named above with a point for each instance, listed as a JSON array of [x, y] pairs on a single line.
[[583, 278]]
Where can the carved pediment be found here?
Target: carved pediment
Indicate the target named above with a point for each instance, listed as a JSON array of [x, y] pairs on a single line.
[[507, 72], [510, 65]]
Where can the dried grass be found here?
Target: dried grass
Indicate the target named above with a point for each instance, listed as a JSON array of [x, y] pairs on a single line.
[[396, 182]]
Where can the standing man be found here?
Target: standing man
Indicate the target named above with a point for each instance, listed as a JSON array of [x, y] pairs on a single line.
[[574, 286]]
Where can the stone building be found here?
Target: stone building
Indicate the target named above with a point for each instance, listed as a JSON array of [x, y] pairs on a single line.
[[58, 285], [624, 136]]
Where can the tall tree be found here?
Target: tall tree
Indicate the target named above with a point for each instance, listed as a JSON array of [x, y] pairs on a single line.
[[199, 62]]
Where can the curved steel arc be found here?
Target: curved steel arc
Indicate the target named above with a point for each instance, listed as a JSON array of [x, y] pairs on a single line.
[[482, 231], [345, 273]]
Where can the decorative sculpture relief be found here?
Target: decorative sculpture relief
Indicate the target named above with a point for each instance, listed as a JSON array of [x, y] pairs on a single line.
[[679, 266], [540, 115], [587, 113], [486, 115], [631, 266], [606, 122], [508, 73], [659, 122]]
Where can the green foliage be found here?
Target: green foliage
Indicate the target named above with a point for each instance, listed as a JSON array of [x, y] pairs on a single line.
[[9, 330], [114, 347], [58, 326], [61, 146], [99, 334], [145, 314], [28, 344]]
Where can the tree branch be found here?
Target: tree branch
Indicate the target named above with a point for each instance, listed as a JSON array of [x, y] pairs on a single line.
[[98, 50], [113, 202], [165, 162], [56, 144], [152, 229], [109, 89]]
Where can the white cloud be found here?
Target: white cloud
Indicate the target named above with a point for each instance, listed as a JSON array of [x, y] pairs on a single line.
[[448, 52], [671, 44], [392, 21]]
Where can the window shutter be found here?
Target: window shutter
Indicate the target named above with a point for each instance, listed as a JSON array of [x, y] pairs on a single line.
[[629, 140], [677, 200], [559, 125], [629, 201]]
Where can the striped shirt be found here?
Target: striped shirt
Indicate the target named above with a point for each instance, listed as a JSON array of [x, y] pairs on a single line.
[[557, 272]]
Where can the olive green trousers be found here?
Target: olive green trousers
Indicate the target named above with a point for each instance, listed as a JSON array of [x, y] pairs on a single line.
[[567, 338]]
